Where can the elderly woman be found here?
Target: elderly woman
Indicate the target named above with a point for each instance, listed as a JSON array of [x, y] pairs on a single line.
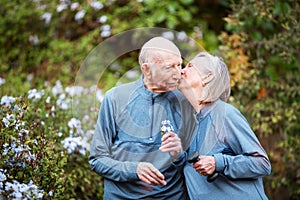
[[224, 139]]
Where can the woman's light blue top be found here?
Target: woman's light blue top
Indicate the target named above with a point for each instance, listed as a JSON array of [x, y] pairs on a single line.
[[223, 132]]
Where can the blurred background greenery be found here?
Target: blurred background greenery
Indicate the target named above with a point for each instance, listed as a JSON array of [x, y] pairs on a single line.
[[43, 43]]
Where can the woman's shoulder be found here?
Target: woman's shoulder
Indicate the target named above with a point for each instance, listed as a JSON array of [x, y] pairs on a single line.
[[226, 109]]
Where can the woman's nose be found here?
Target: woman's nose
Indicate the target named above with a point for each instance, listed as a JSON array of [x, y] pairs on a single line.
[[183, 71]]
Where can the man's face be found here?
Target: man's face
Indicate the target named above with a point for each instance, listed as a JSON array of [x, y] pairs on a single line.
[[165, 74]]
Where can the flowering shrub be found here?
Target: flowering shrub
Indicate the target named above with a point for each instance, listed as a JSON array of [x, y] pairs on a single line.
[[18, 190], [44, 148]]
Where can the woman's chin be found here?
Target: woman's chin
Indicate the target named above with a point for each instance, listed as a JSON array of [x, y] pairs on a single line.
[[183, 86]]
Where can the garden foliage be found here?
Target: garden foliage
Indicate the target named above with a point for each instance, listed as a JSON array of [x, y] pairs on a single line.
[[44, 147], [261, 45]]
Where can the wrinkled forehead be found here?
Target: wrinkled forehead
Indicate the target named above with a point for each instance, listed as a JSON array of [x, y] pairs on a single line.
[[161, 44], [160, 56]]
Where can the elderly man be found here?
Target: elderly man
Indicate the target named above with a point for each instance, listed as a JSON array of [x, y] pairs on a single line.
[[126, 148]]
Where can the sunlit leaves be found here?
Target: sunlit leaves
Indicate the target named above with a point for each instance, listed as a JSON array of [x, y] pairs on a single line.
[[269, 37]]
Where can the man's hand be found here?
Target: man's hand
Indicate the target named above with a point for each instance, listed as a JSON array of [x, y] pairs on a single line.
[[206, 165], [171, 143], [149, 174]]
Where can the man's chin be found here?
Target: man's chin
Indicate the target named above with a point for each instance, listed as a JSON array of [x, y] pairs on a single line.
[[162, 90]]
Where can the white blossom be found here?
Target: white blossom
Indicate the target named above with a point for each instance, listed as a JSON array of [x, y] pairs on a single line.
[[46, 84], [50, 193], [132, 74], [105, 27], [63, 102], [79, 15], [7, 100], [19, 124], [61, 7], [102, 19], [75, 143], [57, 88], [3, 177], [105, 34], [35, 94], [34, 39], [74, 6], [2, 81], [168, 35], [75, 90], [10, 118], [105, 31], [29, 77], [85, 118], [182, 36], [23, 191], [74, 123], [47, 17], [23, 131], [166, 126], [97, 5], [99, 95], [48, 99]]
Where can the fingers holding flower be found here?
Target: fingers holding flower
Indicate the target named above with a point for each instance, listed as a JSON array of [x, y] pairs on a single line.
[[171, 143]]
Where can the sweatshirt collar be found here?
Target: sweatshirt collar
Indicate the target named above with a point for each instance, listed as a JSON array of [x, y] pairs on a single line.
[[205, 110]]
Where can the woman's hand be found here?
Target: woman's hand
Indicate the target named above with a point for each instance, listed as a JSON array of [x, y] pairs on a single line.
[[206, 165]]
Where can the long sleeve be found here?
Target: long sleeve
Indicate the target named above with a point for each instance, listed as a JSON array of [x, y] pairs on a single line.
[[100, 158], [128, 132], [249, 159]]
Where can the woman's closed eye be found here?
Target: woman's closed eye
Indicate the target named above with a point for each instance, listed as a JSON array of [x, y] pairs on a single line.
[[190, 65]]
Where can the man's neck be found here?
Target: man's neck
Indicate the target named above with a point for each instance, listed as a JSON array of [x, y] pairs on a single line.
[[152, 87]]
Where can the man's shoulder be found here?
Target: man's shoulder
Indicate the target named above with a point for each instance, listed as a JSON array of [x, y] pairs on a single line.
[[175, 94], [182, 100], [123, 89]]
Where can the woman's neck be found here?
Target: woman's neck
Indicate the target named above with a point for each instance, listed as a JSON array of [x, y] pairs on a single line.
[[193, 95]]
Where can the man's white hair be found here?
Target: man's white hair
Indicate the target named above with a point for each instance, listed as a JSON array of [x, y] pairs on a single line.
[[155, 45]]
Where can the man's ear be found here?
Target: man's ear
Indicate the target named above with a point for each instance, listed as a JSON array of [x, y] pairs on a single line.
[[145, 68], [209, 77]]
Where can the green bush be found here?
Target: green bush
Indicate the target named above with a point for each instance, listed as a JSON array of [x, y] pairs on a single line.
[[261, 44]]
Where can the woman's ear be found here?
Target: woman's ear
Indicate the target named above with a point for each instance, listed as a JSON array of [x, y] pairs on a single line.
[[209, 77]]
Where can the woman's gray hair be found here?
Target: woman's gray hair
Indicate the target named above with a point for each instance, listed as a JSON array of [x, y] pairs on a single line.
[[219, 86]]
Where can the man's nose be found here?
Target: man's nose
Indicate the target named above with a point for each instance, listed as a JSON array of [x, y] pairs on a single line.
[[178, 68], [177, 74]]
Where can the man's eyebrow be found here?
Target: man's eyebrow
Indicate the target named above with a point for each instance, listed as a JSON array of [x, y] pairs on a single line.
[[173, 64]]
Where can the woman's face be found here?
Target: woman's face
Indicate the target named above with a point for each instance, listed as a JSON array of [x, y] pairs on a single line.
[[191, 76]]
